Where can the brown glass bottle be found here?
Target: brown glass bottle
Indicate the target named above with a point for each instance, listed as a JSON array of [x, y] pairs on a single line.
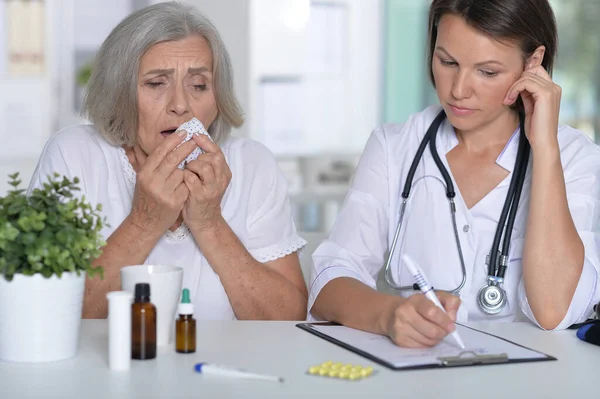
[[185, 326], [143, 324]]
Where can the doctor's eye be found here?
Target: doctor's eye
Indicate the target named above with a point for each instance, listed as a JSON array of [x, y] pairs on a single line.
[[488, 74], [448, 62]]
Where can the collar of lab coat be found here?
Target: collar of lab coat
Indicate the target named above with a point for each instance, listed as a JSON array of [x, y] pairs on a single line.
[[507, 157]]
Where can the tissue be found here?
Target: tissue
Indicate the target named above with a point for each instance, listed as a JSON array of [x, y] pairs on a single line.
[[192, 127]]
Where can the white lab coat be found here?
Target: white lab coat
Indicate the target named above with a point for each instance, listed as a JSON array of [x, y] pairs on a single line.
[[368, 219]]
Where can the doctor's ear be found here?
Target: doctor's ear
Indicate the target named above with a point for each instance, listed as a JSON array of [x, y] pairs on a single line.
[[536, 58]]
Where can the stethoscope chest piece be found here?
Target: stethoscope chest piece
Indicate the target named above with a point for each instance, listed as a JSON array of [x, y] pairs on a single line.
[[491, 299]]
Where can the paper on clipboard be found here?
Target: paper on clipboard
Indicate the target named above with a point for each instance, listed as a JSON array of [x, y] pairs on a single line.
[[381, 349]]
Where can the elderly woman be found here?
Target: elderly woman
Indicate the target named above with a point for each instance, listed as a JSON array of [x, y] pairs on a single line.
[[225, 218]]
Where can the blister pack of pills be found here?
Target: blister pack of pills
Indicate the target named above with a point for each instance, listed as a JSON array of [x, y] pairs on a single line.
[[341, 371], [193, 126]]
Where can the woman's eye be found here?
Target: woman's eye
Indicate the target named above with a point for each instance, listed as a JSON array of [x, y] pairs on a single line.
[[200, 87], [488, 74], [448, 63], [154, 84]]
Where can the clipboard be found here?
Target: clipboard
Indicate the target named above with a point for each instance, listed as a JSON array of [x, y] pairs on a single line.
[[515, 353]]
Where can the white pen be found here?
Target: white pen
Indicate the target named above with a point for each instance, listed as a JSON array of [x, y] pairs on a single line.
[[426, 289], [225, 371]]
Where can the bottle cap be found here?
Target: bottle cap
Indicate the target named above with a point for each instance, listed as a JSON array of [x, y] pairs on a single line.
[[142, 290], [185, 296], [185, 307]]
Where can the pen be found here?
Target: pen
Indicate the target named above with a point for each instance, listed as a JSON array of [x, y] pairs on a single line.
[[225, 371], [426, 289]]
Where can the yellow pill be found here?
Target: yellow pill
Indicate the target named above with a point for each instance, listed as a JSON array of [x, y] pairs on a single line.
[[313, 370], [327, 363], [344, 374], [356, 369], [366, 371], [323, 371], [334, 373], [354, 376]]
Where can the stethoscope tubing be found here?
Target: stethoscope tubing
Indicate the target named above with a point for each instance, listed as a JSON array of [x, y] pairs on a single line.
[[495, 271]]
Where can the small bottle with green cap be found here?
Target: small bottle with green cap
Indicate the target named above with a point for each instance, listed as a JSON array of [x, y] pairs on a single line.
[[185, 326]]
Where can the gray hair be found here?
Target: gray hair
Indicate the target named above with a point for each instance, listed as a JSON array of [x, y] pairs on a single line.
[[111, 99]]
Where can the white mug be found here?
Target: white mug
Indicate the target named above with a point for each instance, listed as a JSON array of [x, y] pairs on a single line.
[[165, 292]]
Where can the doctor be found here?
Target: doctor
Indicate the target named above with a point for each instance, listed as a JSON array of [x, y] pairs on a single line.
[[490, 63]]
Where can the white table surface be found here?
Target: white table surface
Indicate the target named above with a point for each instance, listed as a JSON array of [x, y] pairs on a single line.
[[280, 348]]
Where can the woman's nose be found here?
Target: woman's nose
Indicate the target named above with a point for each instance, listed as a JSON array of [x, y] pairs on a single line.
[[461, 87], [179, 104]]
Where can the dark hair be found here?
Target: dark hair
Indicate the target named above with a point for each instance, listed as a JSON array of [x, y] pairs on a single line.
[[531, 23]]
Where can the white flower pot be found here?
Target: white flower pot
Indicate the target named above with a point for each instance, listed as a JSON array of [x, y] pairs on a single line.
[[40, 317]]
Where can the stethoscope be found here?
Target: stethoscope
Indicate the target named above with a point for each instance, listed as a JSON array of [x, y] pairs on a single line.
[[491, 298]]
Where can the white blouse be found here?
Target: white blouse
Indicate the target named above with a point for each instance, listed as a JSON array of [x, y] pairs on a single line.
[[367, 222], [255, 205]]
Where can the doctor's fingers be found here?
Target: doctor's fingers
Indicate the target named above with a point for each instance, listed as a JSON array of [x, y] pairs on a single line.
[[450, 302], [423, 340], [412, 318], [414, 329], [434, 315], [408, 337], [533, 84], [429, 333], [539, 71]]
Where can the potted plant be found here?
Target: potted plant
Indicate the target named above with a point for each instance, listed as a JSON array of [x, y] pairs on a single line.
[[48, 240]]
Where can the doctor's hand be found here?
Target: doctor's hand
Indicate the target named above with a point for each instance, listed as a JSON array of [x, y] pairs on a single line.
[[541, 98], [417, 323], [207, 179]]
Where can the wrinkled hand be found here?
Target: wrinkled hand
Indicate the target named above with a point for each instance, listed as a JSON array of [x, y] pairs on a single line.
[[418, 323], [541, 98], [159, 191], [206, 179]]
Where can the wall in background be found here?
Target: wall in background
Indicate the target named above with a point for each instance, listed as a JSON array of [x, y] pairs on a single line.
[[27, 64], [406, 81], [316, 73], [231, 19]]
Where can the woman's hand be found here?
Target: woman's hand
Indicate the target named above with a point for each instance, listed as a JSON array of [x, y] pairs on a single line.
[[417, 323], [541, 98], [206, 179], [159, 191]]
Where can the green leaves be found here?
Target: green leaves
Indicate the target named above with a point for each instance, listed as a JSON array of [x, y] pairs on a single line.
[[50, 232]]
